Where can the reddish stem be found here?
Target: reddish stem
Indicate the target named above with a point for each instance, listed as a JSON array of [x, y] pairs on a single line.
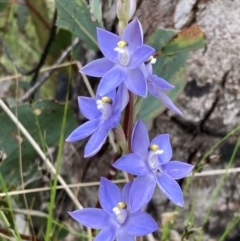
[[126, 119], [128, 125]]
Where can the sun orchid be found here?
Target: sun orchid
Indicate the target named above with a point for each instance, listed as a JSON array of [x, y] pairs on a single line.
[[104, 114], [157, 86], [116, 218], [150, 161], [123, 57]]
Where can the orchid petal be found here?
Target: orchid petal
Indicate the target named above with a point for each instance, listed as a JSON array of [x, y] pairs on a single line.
[[97, 68], [112, 80], [109, 233], [141, 191], [133, 35], [167, 102], [177, 169], [170, 188], [88, 107], [91, 217], [96, 142], [109, 195], [113, 121], [136, 82], [161, 83], [140, 139], [125, 96], [140, 55], [132, 163], [119, 96], [163, 142], [152, 89], [107, 42], [84, 130], [125, 193], [140, 223], [122, 235], [149, 68]]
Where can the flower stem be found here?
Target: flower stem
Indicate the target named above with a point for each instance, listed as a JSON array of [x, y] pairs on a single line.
[[128, 125], [131, 117]]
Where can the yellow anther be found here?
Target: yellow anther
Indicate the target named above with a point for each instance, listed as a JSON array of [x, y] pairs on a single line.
[[154, 147], [121, 44], [106, 99], [122, 205]]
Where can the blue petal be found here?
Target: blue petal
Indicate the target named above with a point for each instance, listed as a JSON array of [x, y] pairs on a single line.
[[170, 188], [149, 68], [109, 233], [125, 96], [133, 35], [113, 121], [132, 163], [91, 217], [84, 130], [140, 223], [177, 169], [142, 191], [161, 83], [167, 102], [140, 139], [140, 55], [163, 142], [136, 82], [152, 89], [107, 43], [112, 80], [97, 68], [95, 142], [88, 107], [109, 195], [122, 235], [118, 103], [125, 193]]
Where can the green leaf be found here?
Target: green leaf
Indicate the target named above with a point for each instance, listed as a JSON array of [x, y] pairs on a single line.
[[96, 9], [49, 116], [160, 38], [3, 5], [187, 40], [74, 16]]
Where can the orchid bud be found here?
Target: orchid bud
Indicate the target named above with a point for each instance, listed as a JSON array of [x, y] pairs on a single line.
[[126, 9]]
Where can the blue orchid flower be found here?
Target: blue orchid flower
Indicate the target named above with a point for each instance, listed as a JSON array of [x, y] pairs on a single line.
[[150, 161], [116, 218], [104, 114], [123, 58]]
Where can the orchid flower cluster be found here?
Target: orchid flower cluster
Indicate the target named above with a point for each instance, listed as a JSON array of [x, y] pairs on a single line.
[[125, 70]]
